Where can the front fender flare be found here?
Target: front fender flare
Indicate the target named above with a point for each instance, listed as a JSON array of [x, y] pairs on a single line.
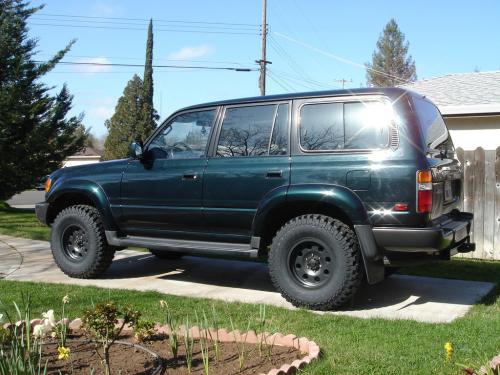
[[90, 190]]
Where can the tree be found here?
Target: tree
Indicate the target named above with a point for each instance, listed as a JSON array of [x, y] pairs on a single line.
[[148, 123], [391, 65], [135, 117], [122, 127], [35, 135]]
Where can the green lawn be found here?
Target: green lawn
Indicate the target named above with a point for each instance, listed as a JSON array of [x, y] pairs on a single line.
[[21, 223], [349, 345]]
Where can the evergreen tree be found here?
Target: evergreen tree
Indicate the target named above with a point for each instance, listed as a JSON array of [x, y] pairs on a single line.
[[391, 65], [149, 114], [123, 125], [35, 135]]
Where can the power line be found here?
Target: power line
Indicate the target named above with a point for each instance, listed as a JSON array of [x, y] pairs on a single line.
[[154, 66], [142, 58], [142, 29], [339, 58], [147, 20], [142, 23]]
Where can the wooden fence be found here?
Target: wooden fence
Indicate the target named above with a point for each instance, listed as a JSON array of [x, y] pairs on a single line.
[[482, 197]]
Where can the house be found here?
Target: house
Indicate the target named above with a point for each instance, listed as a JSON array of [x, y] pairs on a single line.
[[470, 105], [89, 155]]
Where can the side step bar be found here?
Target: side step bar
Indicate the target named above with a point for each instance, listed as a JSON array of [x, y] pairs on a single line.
[[183, 246]]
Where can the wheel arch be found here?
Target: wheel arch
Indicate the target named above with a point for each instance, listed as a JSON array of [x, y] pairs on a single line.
[[80, 192], [281, 205]]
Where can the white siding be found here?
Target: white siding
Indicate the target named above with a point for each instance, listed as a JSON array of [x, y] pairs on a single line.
[[470, 133]]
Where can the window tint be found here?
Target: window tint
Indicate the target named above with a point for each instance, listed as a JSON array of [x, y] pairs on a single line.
[[432, 125], [339, 126], [246, 131], [185, 137], [322, 126], [279, 139], [366, 125]]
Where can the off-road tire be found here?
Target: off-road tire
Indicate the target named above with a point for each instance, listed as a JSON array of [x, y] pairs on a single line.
[[170, 255], [99, 254], [342, 246]]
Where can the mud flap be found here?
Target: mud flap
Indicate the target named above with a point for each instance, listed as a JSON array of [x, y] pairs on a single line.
[[373, 259]]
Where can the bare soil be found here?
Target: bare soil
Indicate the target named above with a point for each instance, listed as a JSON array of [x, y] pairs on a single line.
[[128, 360]]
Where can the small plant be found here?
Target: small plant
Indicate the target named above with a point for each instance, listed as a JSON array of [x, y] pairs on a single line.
[[215, 326], [261, 328], [101, 322], [241, 345], [173, 337], [144, 330], [22, 353], [204, 341], [448, 350], [189, 345]]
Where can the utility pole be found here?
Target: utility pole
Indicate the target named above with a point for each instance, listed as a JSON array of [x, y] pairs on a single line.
[[263, 62], [343, 81]]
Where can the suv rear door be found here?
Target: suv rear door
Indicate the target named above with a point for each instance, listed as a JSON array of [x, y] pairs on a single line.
[[438, 147], [250, 157]]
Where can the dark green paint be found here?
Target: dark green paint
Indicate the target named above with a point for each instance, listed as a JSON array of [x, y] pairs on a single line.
[[233, 199]]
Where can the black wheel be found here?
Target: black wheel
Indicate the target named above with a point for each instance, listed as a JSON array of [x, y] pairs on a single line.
[[172, 255], [78, 242], [315, 262]]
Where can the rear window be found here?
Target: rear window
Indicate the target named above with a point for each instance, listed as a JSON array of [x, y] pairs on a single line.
[[432, 125], [344, 126]]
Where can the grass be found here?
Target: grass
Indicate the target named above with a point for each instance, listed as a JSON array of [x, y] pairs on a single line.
[[21, 223], [349, 345]]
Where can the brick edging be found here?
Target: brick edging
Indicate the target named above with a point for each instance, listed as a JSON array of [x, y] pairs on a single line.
[[303, 344]]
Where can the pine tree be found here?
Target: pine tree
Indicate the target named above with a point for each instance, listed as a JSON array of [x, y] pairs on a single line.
[[123, 125], [148, 123], [391, 65], [35, 135]]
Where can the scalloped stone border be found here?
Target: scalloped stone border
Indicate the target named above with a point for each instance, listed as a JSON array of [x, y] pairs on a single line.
[[303, 344]]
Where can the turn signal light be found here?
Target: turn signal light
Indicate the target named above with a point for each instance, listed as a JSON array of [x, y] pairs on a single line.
[[47, 185], [424, 191]]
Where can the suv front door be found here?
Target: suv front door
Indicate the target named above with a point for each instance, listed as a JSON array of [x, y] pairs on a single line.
[[250, 158], [162, 192]]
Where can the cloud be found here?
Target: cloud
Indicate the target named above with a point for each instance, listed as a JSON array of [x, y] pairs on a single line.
[[191, 52], [102, 9], [92, 69], [101, 112]]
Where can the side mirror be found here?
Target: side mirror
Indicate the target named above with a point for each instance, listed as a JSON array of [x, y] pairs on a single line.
[[135, 150]]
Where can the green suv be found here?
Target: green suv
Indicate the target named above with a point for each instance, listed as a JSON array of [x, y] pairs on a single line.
[[330, 187]]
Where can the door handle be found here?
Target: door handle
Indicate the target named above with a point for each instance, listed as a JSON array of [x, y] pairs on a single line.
[[190, 176], [274, 174]]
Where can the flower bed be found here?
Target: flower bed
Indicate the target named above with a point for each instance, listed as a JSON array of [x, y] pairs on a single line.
[[111, 340]]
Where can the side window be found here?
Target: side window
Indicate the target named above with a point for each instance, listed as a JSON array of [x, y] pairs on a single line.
[[246, 131], [279, 139], [344, 126], [366, 125], [185, 137], [322, 126]]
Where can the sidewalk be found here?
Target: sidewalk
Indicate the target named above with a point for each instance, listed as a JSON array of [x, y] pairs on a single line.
[[422, 299]]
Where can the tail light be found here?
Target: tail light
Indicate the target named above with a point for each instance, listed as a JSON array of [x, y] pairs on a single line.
[[424, 191]]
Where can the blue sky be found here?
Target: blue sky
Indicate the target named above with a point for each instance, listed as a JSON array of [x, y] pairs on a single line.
[[312, 44]]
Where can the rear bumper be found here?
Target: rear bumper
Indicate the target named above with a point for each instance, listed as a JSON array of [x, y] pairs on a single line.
[[41, 212], [454, 232]]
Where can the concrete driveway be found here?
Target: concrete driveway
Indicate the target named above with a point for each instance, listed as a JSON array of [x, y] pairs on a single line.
[[422, 299], [26, 199]]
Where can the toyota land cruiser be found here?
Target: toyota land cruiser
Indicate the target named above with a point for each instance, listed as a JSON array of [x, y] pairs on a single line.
[[330, 187]]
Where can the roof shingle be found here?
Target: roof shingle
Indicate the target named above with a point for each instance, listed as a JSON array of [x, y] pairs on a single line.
[[476, 92]]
